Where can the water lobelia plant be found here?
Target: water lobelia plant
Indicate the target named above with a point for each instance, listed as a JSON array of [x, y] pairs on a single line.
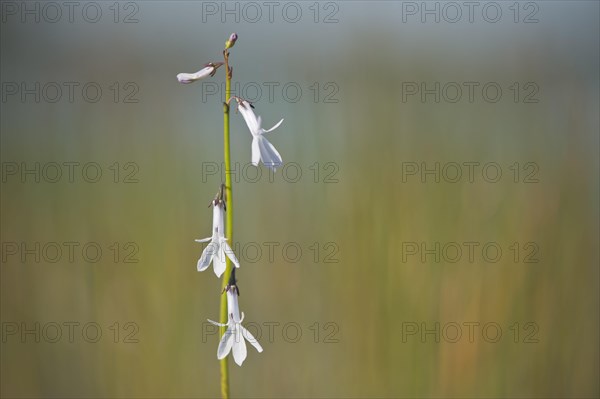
[[233, 334]]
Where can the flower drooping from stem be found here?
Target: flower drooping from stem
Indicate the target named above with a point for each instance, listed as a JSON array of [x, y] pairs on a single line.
[[209, 70], [218, 247], [236, 335], [262, 149]]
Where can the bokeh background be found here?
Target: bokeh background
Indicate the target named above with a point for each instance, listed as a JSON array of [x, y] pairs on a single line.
[[359, 210]]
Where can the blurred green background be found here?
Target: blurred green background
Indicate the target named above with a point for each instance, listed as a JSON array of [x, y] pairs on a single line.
[[360, 209]]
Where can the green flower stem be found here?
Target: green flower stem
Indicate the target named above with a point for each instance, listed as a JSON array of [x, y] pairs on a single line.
[[229, 220]]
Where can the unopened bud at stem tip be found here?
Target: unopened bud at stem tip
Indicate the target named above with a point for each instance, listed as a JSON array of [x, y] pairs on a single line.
[[231, 41]]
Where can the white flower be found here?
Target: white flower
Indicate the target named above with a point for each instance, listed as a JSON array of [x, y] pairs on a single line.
[[236, 335], [209, 70], [218, 247], [262, 150]]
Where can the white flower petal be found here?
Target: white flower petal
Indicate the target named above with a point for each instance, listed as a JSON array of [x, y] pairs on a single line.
[[192, 77], [226, 249], [239, 347], [268, 154], [226, 343], [204, 239], [219, 261], [251, 339], [233, 308], [255, 150], [216, 324], [218, 219], [207, 256], [274, 127], [185, 78], [248, 114]]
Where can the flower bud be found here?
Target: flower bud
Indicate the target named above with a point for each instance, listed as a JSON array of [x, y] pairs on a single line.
[[229, 43]]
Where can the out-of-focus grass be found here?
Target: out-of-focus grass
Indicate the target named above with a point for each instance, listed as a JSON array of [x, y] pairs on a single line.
[[369, 213]]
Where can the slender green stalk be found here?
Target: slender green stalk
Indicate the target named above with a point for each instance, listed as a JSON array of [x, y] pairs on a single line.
[[229, 220]]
